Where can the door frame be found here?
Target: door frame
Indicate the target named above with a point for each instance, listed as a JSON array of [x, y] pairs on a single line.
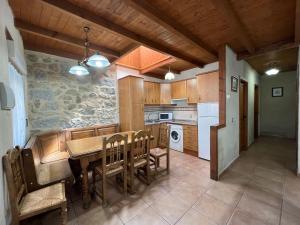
[[245, 83], [256, 111]]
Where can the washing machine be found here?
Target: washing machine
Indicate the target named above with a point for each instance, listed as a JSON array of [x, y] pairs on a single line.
[[176, 137]]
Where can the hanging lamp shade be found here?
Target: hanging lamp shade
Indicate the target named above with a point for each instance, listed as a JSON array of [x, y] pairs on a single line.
[[169, 76], [78, 70], [98, 61]]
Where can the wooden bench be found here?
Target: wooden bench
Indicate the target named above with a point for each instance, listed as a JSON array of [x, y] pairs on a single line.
[[46, 158]]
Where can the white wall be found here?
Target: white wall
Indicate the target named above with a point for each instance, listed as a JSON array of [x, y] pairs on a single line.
[[298, 101], [278, 114], [6, 134], [228, 137]]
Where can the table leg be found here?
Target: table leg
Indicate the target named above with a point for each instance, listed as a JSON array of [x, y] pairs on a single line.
[[85, 183]]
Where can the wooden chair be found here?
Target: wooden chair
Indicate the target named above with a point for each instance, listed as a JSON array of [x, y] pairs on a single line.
[[24, 204], [114, 162], [140, 156], [162, 150]]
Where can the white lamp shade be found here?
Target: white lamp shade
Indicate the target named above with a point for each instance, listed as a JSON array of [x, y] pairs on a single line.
[[272, 71], [78, 70], [98, 61], [169, 76]]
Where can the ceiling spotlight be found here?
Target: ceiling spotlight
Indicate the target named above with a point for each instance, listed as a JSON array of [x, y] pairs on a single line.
[[272, 71]]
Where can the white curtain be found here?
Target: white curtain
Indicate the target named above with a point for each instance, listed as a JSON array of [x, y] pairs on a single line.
[[18, 113]]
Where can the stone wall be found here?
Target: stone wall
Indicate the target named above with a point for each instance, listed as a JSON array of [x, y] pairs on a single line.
[[57, 99]]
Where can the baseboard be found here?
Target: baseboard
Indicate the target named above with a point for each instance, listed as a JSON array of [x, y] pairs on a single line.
[[190, 152], [228, 166]]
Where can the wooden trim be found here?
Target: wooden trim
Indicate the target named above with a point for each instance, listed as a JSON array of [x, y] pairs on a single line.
[[40, 31], [52, 51], [226, 10], [158, 64], [297, 22], [206, 73], [247, 114], [147, 9], [190, 152], [278, 46], [87, 15]]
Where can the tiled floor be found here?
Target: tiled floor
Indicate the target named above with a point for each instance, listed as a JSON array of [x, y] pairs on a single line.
[[259, 189]]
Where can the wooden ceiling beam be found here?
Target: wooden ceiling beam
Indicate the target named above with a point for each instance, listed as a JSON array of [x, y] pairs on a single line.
[[225, 9], [147, 9], [297, 22], [87, 15], [36, 30], [279, 46], [52, 51]]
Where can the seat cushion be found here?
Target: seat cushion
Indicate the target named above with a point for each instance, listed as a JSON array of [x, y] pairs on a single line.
[[42, 199], [55, 156], [110, 172], [158, 152], [53, 172]]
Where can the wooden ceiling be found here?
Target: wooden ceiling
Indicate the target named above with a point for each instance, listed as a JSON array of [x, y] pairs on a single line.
[[191, 31]]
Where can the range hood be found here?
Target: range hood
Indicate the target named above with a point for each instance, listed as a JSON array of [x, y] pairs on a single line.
[[180, 102]]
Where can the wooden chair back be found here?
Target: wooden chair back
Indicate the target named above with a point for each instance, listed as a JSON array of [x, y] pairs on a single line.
[[140, 143], [115, 151], [13, 166], [164, 137]]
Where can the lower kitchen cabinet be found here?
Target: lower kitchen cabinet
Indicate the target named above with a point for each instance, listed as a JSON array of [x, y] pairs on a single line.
[[190, 139]]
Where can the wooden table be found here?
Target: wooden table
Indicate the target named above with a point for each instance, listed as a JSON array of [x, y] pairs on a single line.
[[88, 150]]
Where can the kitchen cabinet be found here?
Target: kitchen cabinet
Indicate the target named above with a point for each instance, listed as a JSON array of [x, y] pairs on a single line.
[[208, 87], [190, 139], [152, 93], [192, 91], [154, 129], [165, 93], [178, 89], [131, 103]]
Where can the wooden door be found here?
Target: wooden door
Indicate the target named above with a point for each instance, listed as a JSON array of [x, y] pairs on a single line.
[[256, 111], [192, 91], [208, 87], [165, 93], [243, 113], [178, 89]]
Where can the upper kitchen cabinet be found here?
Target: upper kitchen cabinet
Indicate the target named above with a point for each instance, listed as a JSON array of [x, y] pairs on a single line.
[[208, 87], [152, 93], [178, 89], [192, 91], [165, 93]]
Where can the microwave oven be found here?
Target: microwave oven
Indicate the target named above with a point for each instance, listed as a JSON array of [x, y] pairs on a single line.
[[165, 116]]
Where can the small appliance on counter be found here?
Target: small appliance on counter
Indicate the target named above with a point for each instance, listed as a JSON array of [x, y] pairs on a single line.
[[165, 116], [208, 115]]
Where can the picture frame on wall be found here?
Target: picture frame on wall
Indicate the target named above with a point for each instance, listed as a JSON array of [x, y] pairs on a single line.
[[234, 84], [277, 91]]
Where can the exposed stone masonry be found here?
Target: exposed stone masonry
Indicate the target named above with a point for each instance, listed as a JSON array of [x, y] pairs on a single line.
[[57, 99]]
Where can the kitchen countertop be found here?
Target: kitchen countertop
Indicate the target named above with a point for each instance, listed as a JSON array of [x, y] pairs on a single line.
[[181, 122]]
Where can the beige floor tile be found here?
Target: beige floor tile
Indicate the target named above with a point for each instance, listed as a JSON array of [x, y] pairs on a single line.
[[147, 217], [234, 180], [153, 193], [269, 174], [274, 186], [94, 216], [264, 195], [260, 210], [288, 219], [225, 194], [193, 217], [214, 209], [242, 218], [171, 208], [244, 168], [291, 206]]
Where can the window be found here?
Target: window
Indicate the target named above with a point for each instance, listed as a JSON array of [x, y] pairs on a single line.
[[18, 113]]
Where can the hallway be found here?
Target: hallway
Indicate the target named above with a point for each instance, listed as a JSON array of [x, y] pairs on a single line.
[[270, 190]]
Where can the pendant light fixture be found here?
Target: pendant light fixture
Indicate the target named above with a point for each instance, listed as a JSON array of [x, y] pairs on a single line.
[[272, 69], [169, 75], [96, 60]]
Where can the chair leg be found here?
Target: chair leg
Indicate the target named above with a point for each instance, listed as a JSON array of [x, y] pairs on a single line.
[[168, 163], [94, 180], [125, 182], [64, 217], [104, 197], [148, 173], [132, 180]]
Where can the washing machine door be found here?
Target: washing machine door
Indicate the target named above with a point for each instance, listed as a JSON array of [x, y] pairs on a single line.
[[175, 136]]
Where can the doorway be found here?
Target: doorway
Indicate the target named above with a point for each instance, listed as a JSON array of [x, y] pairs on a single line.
[[243, 99], [256, 111]]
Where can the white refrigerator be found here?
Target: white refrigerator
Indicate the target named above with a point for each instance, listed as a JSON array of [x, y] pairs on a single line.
[[208, 115]]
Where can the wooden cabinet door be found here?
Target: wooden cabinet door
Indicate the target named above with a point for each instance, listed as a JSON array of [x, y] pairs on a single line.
[[165, 93], [147, 92], [190, 138], [208, 87], [178, 89], [192, 91], [156, 93]]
